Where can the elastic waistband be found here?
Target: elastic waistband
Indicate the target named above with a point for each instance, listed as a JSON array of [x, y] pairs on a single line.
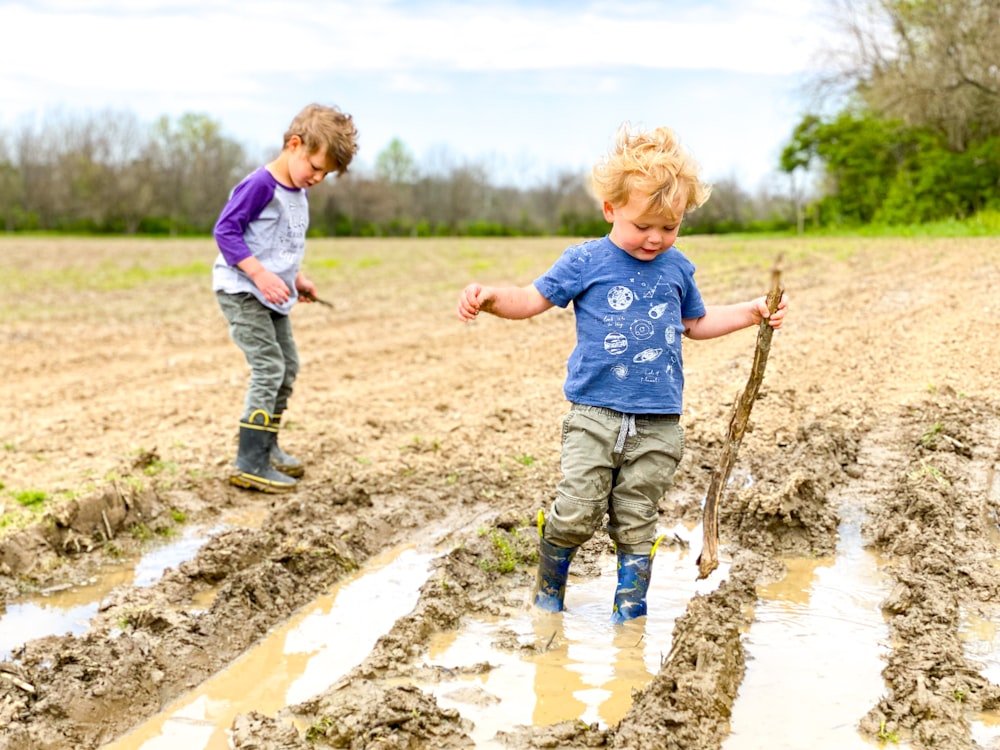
[[615, 414]]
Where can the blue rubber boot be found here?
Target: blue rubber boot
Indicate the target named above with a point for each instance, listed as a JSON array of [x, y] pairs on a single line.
[[553, 569], [633, 583]]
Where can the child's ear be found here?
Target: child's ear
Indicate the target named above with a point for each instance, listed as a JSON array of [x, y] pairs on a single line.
[[609, 212], [294, 142]]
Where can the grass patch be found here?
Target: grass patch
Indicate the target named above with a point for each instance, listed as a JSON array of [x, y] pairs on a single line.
[[31, 498]]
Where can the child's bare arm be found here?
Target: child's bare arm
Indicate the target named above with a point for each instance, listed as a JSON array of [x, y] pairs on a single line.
[[719, 320], [512, 302]]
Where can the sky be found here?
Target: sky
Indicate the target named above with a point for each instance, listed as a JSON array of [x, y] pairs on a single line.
[[527, 88]]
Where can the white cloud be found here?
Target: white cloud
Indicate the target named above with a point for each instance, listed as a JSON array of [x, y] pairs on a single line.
[[476, 77]]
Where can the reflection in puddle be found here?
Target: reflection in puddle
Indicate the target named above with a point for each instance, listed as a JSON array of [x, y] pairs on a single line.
[[293, 662], [979, 636], [590, 667], [68, 611], [815, 653]]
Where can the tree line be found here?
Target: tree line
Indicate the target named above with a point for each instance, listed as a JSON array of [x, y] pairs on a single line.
[[108, 173]]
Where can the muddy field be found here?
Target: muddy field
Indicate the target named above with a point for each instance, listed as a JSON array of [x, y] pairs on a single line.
[[122, 395]]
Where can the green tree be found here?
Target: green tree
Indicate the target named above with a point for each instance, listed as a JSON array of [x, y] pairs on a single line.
[[395, 164], [196, 167]]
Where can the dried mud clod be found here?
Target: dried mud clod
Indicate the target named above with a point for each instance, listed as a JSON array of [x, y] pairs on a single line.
[[784, 510], [362, 714], [937, 523]]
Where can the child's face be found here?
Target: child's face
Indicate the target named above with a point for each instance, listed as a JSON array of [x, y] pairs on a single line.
[[641, 234], [305, 169]]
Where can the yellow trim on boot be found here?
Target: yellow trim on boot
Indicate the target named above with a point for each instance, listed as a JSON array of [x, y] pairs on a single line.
[[541, 524], [249, 481], [265, 425], [652, 552]]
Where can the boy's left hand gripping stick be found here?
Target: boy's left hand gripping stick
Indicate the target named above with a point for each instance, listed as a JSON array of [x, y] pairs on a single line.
[[313, 298]]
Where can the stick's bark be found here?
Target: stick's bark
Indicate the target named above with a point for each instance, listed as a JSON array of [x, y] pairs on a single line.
[[708, 560]]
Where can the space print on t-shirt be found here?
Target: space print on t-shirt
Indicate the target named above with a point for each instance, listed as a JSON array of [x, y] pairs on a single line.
[[629, 316], [633, 320]]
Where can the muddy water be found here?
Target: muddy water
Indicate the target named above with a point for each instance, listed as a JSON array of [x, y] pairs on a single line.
[[69, 610], [814, 668], [981, 639], [295, 661], [575, 664], [815, 651]]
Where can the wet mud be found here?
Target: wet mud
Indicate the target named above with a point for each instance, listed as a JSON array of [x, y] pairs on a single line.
[[879, 404]]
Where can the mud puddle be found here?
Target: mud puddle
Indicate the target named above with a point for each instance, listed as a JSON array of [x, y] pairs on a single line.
[[574, 665], [293, 662], [981, 638], [816, 631], [815, 651], [68, 610]]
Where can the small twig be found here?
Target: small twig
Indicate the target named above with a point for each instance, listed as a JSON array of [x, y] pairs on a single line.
[[107, 525], [25, 686], [313, 298]]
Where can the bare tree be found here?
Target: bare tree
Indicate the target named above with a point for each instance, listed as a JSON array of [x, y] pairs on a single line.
[[11, 187], [931, 63]]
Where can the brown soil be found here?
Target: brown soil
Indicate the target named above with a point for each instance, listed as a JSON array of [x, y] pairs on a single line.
[[122, 391]]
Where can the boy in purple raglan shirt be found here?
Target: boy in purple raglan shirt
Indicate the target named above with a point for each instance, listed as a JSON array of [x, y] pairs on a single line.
[[634, 296], [257, 278]]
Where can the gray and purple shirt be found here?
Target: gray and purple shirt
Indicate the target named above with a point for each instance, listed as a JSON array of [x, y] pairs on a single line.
[[265, 219]]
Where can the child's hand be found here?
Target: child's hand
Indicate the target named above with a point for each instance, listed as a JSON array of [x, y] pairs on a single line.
[[470, 302], [760, 311], [305, 288], [271, 286]]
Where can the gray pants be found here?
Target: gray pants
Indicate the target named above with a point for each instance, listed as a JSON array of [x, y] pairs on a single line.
[[266, 340], [617, 464]]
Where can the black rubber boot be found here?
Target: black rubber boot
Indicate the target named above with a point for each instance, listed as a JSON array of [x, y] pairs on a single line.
[[279, 459], [253, 461]]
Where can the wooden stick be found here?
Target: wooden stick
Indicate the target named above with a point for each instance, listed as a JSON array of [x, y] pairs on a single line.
[[708, 560]]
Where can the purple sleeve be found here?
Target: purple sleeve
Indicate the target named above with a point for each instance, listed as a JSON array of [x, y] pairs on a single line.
[[245, 203]]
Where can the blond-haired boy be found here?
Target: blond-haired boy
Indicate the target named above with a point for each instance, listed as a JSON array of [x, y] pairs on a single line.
[[634, 296]]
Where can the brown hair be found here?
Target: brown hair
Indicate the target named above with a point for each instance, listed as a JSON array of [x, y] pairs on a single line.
[[328, 130]]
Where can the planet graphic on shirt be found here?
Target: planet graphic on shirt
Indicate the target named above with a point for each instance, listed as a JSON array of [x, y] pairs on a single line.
[[620, 371], [670, 335], [615, 343], [641, 329], [647, 355], [620, 297]]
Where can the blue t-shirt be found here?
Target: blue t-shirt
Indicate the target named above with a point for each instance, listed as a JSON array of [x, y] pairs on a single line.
[[628, 325], [265, 219]]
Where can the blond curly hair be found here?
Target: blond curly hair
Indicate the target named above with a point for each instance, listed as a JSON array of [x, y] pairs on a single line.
[[653, 164]]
